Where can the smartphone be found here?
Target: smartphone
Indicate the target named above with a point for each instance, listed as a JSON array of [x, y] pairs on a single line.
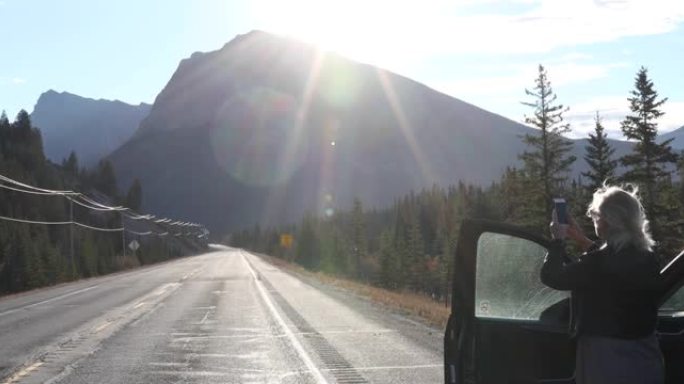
[[560, 206]]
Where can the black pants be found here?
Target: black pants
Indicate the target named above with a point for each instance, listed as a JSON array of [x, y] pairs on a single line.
[[606, 360]]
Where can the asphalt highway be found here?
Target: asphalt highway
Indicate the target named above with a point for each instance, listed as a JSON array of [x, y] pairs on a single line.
[[225, 316]]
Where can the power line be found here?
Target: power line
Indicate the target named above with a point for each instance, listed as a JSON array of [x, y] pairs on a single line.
[[26, 221], [31, 192], [141, 233], [102, 208], [18, 183], [89, 203], [35, 221], [98, 228]]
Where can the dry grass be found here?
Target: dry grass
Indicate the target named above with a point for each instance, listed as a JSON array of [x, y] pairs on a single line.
[[421, 306]]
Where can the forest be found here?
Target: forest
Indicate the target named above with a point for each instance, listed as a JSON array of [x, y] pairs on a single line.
[[57, 223]]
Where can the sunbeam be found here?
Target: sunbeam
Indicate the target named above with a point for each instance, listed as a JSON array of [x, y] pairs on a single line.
[[406, 129]]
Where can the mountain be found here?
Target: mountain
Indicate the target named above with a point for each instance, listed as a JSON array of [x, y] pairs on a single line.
[[91, 128], [678, 136], [267, 128]]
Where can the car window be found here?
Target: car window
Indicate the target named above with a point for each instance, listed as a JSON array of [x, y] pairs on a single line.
[[674, 306], [507, 283]]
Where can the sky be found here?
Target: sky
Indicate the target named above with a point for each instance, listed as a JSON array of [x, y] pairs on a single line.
[[485, 52]]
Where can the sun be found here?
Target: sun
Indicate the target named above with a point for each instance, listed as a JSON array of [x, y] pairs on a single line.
[[373, 32]]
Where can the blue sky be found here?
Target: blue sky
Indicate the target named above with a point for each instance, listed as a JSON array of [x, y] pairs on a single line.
[[481, 51]]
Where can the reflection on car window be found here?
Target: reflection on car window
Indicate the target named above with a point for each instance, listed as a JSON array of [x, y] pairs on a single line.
[[507, 283]]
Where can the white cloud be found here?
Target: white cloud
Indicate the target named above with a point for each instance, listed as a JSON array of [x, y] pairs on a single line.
[[613, 109], [560, 71], [547, 25], [18, 80]]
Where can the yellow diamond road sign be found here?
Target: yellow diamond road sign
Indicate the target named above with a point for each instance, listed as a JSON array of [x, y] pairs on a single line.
[[286, 240]]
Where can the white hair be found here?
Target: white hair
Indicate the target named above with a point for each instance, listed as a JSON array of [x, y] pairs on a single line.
[[624, 214]]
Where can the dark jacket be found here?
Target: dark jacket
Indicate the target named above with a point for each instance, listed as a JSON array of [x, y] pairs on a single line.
[[614, 294]]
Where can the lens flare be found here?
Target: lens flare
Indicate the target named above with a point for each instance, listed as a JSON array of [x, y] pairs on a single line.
[[253, 138], [339, 83]]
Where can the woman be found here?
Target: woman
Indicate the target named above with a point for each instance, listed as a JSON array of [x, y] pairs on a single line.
[[614, 286]]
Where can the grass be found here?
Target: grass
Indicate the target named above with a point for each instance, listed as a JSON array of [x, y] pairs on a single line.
[[415, 305]]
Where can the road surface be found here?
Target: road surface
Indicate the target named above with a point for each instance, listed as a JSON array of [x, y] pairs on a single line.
[[221, 317]]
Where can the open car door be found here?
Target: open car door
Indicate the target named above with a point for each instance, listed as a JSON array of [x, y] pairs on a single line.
[[505, 326], [508, 327]]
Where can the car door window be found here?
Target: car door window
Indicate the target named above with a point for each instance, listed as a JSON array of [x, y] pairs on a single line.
[[507, 283], [674, 306]]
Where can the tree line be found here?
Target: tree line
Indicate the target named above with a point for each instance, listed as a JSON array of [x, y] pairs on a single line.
[[34, 255], [411, 244]]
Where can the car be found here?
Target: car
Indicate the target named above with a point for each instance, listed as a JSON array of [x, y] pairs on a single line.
[[506, 326]]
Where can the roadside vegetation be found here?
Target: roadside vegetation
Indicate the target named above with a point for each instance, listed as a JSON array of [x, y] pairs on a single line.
[[412, 304], [39, 242]]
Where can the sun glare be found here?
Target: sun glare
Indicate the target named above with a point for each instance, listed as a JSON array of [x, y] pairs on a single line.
[[368, 31]]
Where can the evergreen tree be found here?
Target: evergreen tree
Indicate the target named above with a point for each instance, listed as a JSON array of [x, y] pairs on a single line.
[[388, 261], [511, 195], [308, 246], [105, 179], [4, 133], [70, 165], [599, 157], [547, 160], [358, 238], [650, 163], [134, 196]]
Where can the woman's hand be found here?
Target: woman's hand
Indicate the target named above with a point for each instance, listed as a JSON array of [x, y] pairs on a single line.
[[575, 232], [558, 231]]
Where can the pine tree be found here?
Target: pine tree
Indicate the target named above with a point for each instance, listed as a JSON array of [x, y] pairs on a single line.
[[599, 157], [105, 179], [650, 163], [308, 246], [4, 133], [358, 238], [134, 196], [388, 261], [547, 160], [70, 165]]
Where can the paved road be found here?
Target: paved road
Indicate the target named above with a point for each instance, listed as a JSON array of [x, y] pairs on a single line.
[[221, 317]]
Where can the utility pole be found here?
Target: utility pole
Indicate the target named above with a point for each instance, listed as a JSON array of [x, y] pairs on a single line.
[[123, 237], [71, 237]]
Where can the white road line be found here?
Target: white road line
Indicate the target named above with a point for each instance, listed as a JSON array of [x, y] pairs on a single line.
[[19, 375], [318, 376], [206, 315], [48, 300], [102, 326], [386, 367]]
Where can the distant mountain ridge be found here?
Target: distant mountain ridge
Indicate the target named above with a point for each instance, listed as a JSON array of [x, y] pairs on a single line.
[[678, 138], [91, 128], [267, 128]]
